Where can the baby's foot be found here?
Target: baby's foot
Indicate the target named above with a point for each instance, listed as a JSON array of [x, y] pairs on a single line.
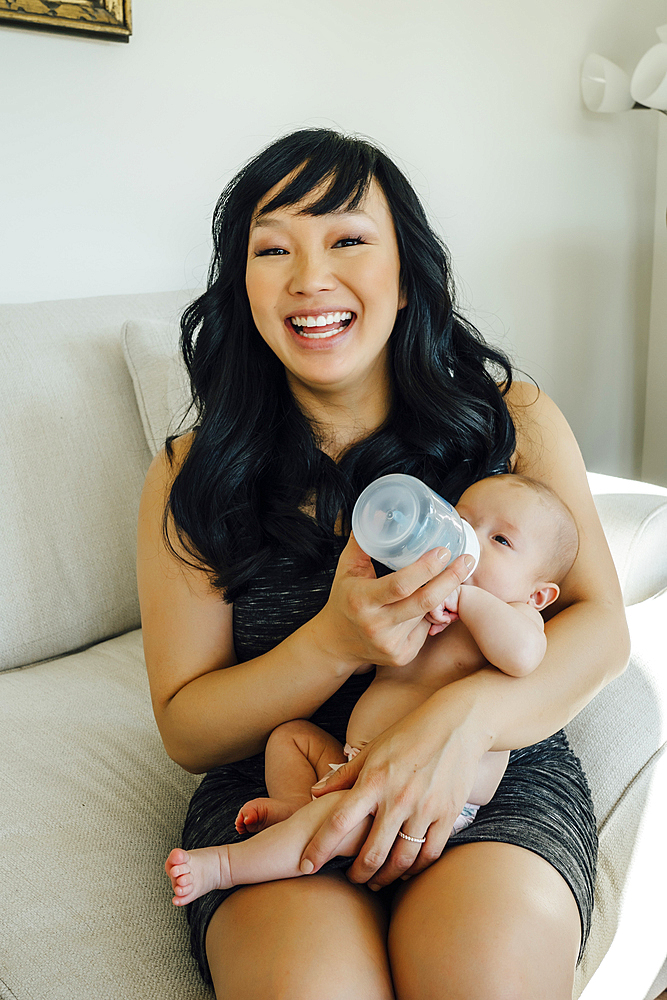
[[259, 813], [194, 873]]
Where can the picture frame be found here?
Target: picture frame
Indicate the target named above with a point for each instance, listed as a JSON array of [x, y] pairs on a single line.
[[108, 19]]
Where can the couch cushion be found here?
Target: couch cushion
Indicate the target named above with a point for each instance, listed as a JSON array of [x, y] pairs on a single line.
[[91, 806], [634, 517], [635, 526], [73, 456], [159, 377]]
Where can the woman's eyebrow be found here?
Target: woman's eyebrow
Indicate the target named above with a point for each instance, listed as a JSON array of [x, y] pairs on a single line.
[[275, 222], [267, 220]]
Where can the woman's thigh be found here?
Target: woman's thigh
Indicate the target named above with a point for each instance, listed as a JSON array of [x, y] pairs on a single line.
[[301, 938], [488, 920]]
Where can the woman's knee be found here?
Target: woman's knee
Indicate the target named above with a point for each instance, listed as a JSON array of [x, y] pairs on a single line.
[[491, 971], [298, 939], [484, 967], [488, 921]]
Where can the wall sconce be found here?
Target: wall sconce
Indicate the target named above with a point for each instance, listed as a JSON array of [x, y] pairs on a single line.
[[605, 87]]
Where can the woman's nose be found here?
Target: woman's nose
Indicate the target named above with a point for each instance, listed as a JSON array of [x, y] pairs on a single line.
[[310, 274]]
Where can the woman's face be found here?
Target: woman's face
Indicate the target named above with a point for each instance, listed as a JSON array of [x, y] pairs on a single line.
[[324, 291]]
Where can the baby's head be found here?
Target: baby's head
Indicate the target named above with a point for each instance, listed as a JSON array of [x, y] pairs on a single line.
[[527, 535]]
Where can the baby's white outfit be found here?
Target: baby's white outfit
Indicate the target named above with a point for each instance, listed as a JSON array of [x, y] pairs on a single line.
[[465, 817]]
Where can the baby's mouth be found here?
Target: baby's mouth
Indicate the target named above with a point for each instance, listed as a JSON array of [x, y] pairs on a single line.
[[321, 326]]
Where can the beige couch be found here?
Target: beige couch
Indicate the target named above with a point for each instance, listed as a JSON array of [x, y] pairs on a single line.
[[90, 802]]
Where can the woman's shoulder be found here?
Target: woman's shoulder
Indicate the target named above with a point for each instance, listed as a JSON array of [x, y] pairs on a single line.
[[162, 472], [170, 458], [546, 448], [521, 397], [538, 422]]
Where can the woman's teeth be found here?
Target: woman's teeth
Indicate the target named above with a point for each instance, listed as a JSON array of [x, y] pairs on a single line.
[[327, 324]]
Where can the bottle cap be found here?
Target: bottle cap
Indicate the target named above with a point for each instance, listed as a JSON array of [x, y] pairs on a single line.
[[471, 545]]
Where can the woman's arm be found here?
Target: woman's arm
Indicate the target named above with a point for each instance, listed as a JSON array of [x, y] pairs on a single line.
[[212, 710], [209, 709], [413, 775], [588, 642]]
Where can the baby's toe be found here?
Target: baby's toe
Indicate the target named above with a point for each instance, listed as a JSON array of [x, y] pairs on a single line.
[[177, 857], [184, 879]]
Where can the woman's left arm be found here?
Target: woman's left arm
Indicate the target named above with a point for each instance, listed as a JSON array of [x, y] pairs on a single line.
[[416, 776], [587, 635]]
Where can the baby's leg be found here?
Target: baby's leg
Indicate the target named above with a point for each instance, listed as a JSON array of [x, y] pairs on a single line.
[[297, 755], [274, 853], [386, 700]]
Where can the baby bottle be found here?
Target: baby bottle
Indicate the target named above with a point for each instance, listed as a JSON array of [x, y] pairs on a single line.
[[398, 518]]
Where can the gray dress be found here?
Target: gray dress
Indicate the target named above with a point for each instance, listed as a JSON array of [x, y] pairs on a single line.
[[542, 804]]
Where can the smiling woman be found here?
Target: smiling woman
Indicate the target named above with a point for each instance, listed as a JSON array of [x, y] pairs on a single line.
[[327, 352], [306, 268]]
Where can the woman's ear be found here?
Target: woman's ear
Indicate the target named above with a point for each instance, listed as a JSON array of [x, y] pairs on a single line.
[[545, 595], [402, 297]]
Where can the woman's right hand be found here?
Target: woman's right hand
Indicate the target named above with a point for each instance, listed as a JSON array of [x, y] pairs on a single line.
[[371, 620]]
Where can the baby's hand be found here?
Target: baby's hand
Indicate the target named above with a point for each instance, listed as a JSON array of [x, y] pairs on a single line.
[[451, 603], [444, 614]]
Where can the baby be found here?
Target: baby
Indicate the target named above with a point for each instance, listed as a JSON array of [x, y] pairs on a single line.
[[528, 542]]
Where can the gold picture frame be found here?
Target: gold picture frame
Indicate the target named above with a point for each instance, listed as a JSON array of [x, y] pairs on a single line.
[[110, 19]]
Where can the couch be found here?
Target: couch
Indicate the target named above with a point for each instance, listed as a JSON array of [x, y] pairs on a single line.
[[90, 801]]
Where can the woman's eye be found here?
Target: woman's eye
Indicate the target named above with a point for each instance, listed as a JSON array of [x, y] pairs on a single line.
[[270, 252], [501, 539], [349, 241]]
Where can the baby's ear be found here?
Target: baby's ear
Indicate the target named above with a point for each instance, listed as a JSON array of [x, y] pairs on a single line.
[[545, 595]]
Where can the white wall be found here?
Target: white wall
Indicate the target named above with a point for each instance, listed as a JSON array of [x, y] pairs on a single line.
[[654, 458], [112, 157]]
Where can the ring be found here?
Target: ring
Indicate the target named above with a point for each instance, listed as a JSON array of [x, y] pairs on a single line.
[[415, 840]]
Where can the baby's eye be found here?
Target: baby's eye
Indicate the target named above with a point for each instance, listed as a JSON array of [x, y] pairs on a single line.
[[502, 540], [350, 241], [270, 252]]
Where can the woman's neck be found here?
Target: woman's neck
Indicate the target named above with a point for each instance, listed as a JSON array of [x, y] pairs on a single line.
[[344, 416]]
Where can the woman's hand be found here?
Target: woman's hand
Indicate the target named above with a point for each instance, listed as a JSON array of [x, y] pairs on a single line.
[[371, 620], [416, 778]]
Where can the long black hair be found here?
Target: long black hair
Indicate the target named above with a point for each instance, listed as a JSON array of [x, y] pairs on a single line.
[[255, 459]]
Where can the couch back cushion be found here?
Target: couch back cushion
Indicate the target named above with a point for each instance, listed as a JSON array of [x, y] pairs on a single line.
[[160, 379], [73, 456]]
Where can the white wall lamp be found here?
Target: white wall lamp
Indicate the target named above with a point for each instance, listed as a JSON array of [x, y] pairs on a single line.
[[605, 87]]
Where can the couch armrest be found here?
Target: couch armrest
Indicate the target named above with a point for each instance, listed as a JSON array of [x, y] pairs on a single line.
[[634, 518]]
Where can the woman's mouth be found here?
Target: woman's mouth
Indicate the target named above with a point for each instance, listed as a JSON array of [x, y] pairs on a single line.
[[320, 326]]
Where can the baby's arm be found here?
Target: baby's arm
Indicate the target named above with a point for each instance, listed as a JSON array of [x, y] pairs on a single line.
[[510, 636]]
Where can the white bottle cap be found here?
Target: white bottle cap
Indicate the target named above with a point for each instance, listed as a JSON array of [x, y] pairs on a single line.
[[471, 545]]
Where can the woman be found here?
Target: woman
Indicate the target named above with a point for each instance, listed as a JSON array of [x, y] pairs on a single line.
[[327, 352]]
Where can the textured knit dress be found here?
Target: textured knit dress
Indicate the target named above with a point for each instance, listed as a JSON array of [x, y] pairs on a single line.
[[543, 802]]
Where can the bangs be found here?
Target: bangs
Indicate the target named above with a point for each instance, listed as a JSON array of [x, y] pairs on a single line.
[[344, 170]]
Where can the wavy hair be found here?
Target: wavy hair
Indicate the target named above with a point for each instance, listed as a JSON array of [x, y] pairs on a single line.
[[255, 460]]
